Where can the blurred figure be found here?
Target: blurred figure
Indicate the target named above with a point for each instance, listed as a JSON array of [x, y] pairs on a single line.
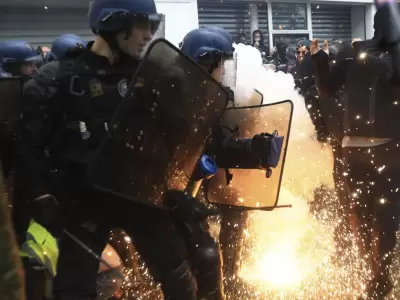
[[44, 50], [258, 43], [302, 49], [12, 283], [4, 73], [19, 58], [242, 38], [282, 58]]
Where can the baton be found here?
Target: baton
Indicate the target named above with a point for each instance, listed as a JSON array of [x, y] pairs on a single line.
[[92, 253]]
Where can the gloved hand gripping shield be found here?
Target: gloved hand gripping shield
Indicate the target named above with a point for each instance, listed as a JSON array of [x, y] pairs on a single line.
[[159, 131], [252, 156]]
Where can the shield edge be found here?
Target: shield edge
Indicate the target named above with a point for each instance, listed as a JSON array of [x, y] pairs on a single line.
[[129, 93], [264, 208]]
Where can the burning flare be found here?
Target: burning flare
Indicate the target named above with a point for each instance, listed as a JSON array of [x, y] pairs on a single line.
[[289, 252]]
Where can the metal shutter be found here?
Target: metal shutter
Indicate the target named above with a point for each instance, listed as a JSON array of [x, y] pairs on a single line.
[[40, 26], [263, 21], [289, 16], [331, 22], [231, 16]]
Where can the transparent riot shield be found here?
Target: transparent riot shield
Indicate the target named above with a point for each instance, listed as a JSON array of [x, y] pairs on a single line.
[[159, 131], [10, 96], [244, 97], [250, 187]]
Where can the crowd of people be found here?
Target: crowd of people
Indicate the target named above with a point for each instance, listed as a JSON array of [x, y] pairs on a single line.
[[62, 217]]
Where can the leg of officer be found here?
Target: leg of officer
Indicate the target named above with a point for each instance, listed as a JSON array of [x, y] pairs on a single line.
[[343, 228], [358, 183], [385, 225], [386, 213], [162, 248], [77, 269], [205, 257], [230, 238]]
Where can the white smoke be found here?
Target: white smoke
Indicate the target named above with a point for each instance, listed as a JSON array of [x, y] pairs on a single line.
[[309, 163], [278, 247]]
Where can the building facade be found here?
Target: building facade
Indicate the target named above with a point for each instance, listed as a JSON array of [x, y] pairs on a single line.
[[41, 21]]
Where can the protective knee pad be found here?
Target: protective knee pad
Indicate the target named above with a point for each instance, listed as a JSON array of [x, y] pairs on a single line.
[[208, 264], [207, 258], [180, 284], [108, 283]]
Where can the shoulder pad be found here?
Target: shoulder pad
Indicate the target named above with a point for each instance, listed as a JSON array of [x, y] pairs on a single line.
[[47, 74]]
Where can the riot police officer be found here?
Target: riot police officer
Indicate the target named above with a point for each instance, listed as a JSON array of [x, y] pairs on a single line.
[[19, 58], [370, 148], [231, 235], [212, 49], [68, 105], [209, 47], [63, 45]]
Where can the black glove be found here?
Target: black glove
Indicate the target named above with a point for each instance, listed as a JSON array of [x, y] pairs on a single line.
[[265, 149], [188, 208]]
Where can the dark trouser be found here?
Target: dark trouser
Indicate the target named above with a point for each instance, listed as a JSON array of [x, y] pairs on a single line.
[[233, 224], [153, 233], [313, 105], [205, 258], [373, 180], [343, 227], [35, 281]]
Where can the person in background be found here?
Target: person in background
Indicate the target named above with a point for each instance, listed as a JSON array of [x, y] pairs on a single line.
[[370, 147], [19, 58], [64, 45], [242, 38], [258, 43], [44, 50]]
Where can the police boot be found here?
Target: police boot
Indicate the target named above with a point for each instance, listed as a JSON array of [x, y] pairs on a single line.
[[180, 284]]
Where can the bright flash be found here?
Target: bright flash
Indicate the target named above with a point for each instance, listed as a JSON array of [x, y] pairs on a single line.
[[362, 55]]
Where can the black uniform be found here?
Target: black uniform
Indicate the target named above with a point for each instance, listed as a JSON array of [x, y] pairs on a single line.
[[322, 115], [67, 108], [371, 114]]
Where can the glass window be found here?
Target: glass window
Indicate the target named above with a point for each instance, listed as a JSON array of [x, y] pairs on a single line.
[[289, 16]]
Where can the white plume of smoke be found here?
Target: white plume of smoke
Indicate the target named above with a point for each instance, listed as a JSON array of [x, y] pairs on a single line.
[[309, 163]]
